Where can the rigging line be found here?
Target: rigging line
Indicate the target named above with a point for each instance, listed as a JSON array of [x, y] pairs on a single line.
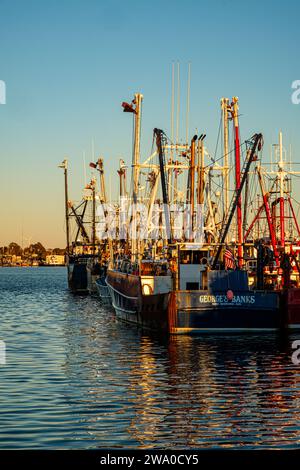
[[218, 138], [231, 152], [297, 176], [220, 187], [297, 202]]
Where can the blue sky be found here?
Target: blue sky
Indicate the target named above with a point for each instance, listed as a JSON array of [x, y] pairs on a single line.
[[68, 65]]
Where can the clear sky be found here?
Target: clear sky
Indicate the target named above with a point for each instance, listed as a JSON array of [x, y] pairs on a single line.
[[69, 64]]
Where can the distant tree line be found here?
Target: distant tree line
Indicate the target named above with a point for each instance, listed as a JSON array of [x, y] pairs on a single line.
[[35, 249]]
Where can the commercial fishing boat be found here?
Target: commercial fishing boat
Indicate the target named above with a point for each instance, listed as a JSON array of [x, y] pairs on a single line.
[[85, 255], [204, 301], [188, 288], [230, 263]]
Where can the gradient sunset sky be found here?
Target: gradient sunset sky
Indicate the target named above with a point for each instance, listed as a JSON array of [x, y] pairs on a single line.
[[69, 64]]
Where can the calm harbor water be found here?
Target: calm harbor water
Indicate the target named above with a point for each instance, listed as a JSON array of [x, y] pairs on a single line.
[[75, 377]]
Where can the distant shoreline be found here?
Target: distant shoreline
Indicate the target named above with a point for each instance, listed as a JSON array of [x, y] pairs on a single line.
[[39, 266]]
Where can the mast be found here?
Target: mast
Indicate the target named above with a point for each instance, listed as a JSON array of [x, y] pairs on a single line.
[[122, 175], [238, 179], [93, 216], [268, 214], [170, 171], [200, 170], [188, 104], [138, 97], [281, 199], [225, 107], [192, 183], [101, 180], [64, 165], [103, 200], [136, 108]]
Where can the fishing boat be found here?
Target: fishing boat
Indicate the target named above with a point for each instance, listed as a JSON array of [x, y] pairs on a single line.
[[205, 301], [81, 254], [276, 227], [226, 272], [77, 274], [188, 289], [103, 290]]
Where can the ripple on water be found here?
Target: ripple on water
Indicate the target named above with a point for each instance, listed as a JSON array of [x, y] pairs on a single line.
[[77, 378]]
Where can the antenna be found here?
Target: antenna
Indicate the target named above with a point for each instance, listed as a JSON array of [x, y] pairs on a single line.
[[188, 103], [172, 103], [178, 102]]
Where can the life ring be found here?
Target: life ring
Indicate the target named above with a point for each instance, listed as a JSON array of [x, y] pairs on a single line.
[[149, 288]]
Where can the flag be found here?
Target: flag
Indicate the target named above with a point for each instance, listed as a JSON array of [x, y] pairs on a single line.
[[229, 259]]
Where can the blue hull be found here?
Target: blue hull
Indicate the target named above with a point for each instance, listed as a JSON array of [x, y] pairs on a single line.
[[198, 311], [180, 312]]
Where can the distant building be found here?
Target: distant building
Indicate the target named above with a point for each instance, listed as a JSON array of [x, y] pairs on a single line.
[[16, 260], [55, 260]]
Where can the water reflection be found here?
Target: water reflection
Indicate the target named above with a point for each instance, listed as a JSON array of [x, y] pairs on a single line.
[[187, 391], [78, 378]]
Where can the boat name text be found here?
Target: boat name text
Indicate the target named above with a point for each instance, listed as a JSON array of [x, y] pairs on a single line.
[[222, 299]]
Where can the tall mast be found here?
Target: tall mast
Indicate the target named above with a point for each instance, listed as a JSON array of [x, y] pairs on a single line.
[[138, 97], [178, 104], [137, 109], [64, 165], [200, 185], [188, 104], [122, 173], [238, 179], [170, 171], [103, 200], [93, 187], [281, 200], [225, 107], [102, 181], [192, 183]]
